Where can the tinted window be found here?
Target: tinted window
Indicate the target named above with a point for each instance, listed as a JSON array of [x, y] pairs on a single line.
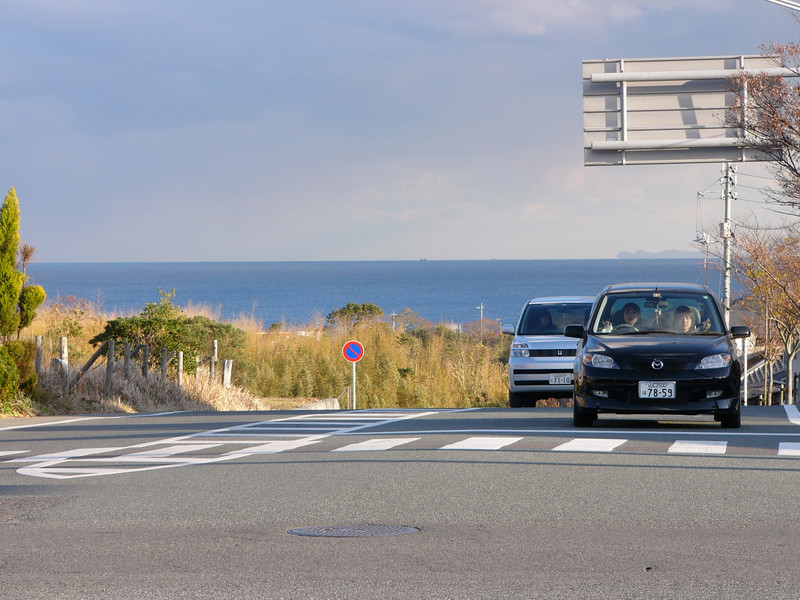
[[550, 319], [684, 313]]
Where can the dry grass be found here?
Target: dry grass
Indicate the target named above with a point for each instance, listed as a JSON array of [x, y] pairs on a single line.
[[138, 394]]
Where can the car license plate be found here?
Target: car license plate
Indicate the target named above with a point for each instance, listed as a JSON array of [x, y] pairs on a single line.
[[656, 389], [560, 378]]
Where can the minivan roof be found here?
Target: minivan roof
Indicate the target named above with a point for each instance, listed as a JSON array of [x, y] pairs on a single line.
[[561, 299]]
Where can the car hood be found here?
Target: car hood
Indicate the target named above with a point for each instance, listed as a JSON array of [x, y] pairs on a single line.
[[658, 345], [549, 341]]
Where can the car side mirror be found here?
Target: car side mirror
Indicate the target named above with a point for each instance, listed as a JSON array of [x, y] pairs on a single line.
[[509, 328], [740, 331], [575, 331]]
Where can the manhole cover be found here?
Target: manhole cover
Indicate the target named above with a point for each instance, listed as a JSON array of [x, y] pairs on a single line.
[[354, 531]]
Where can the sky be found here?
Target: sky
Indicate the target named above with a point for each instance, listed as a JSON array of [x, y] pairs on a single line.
[[272, 130]]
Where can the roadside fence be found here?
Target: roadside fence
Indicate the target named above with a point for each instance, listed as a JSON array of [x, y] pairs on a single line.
[[72, 375]]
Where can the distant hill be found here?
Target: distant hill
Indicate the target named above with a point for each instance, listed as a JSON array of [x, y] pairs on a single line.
[[662, 254]]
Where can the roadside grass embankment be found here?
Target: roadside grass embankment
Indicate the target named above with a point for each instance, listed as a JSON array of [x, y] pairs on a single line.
[[284, 367]]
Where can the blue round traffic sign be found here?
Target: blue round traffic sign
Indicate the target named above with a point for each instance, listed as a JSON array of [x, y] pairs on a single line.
[[353, 351]]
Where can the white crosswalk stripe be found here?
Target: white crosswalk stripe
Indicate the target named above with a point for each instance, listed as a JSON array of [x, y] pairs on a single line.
[[377, 444], [698, 447], [482, 443], [590, 445], [788, 449]]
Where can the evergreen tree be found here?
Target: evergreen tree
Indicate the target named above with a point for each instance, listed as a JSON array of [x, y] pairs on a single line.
[[11, 279]]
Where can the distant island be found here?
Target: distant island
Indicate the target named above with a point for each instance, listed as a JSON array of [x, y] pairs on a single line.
[[662, 254]]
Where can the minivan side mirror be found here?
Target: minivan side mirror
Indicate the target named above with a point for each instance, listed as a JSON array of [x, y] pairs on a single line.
[[740, 331], [509, 328], [575, 331]]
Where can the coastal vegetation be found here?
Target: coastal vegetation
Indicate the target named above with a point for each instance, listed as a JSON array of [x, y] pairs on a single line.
[[407, 363]]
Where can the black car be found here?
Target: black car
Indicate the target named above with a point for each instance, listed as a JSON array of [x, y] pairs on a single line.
[[657, 348]]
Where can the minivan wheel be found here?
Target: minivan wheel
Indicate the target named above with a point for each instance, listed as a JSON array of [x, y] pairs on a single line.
[[515, 399]]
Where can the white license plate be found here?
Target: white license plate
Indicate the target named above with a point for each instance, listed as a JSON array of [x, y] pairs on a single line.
[[656, 389], [560, 378]]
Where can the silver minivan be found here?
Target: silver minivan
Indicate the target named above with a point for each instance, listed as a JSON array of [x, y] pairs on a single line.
[[540, 362]]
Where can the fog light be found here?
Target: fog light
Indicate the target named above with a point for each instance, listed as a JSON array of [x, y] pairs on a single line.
[[600, 393], [713, 393]]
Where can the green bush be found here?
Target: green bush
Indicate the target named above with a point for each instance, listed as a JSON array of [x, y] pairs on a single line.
[[9, 381], [24, 356]]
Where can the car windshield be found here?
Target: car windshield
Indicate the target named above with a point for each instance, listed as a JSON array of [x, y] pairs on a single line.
[[551, 318], [661, 312]]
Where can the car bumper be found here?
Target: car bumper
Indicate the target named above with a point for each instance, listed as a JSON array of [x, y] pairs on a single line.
[[707, 395]]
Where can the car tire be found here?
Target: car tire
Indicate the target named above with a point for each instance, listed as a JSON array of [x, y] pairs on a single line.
[[516, 399], [732, 420], [581, 417]]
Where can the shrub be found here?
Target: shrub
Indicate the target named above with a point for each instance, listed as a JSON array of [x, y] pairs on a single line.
[[23, 354], [9, 381]]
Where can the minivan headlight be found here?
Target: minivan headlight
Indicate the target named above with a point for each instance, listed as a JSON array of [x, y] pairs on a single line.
[[601, 361], [519, 350], [715, 361]]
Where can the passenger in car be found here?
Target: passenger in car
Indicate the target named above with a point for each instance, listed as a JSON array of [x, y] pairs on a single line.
[[683, 320]]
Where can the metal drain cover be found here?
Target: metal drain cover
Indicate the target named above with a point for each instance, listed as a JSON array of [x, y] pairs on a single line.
[[354, 531]]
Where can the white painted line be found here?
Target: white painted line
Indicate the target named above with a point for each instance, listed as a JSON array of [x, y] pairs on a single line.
[[482, 443], [77, 453], [698, 447], [589, 445], [792, 413], [378, 444], [11, 452], [788, 449], [272, 447], [161, 453]]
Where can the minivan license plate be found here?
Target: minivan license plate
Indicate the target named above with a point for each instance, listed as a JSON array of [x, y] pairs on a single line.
[[560, 378], [656, 389]]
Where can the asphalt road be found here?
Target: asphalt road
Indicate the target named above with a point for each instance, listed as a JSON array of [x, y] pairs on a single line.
[[494, 503]]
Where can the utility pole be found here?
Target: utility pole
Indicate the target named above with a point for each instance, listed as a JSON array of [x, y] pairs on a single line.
[[480, 308], [729, 194]]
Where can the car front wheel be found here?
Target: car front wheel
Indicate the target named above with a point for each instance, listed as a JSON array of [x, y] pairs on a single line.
[[732, 420], [581, 417]]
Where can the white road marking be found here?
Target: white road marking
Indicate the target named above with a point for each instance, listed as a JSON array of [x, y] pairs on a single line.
[[589, 445], [792, 413], [698, 447], [482, 443], [160, 454], [65, 455], [376, 444], [272, 447], [12, 452], [788, 449]]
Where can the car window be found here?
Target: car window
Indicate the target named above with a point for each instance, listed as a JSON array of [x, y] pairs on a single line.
[[551, 318], [645, 312]]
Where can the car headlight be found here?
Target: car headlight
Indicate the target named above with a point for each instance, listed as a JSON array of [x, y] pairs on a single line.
[[519, 350], [715, 361], [601, 361]]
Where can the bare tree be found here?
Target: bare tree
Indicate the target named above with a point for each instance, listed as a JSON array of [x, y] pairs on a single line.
[[766, 111]]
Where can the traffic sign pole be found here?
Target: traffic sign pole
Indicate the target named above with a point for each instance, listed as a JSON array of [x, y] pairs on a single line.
[[353, 351], [354, 385]]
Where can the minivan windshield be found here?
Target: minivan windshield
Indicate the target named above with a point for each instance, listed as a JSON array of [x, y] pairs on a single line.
[[551, 318], [683, 313]]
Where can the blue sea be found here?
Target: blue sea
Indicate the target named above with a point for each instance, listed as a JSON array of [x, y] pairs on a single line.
[[443, 291]]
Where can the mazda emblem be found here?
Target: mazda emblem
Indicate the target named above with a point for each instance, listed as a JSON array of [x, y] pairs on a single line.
[[657, 364]]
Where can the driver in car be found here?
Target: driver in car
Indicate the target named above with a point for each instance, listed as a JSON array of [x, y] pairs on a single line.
[[631, 316]]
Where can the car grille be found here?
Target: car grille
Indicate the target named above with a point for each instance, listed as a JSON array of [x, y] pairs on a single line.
[[670, 366], [552, 352]]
